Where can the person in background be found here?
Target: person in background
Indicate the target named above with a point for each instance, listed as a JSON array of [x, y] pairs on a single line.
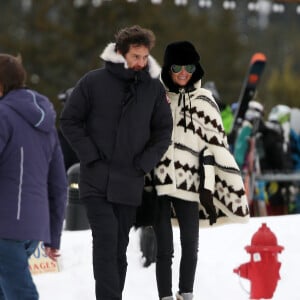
[[278, 159], [225, 109], [70, 157], [249, 154], [263, 147], [118, 121], [252, 126], [194, 173], [33, 181]]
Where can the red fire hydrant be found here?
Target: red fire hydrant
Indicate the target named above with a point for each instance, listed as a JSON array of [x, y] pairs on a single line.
[[263, 268]]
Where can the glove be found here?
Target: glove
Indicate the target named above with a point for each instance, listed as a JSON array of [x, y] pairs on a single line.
[[207, 202]]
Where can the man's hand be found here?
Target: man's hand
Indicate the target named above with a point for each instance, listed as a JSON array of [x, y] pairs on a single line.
[[207, 202], [52, 253]]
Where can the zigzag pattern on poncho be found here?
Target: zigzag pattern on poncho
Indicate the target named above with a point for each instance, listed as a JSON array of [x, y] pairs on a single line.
[[198, 127]]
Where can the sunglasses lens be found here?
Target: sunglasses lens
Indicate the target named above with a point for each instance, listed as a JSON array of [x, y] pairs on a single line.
[[176, 68], [190, 68]]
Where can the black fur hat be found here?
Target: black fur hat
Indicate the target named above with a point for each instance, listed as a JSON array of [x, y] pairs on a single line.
[[181, 53]]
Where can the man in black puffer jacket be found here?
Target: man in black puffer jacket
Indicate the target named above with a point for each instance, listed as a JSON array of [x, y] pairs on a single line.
[[118, 120]]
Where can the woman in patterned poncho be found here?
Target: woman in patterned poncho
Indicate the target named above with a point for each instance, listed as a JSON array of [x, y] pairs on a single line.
[[197, 175]]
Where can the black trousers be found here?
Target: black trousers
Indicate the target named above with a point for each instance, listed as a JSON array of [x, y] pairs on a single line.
[[188, 219], [110, 224]]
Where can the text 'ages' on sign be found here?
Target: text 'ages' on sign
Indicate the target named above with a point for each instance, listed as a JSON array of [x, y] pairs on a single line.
[[39, 262]]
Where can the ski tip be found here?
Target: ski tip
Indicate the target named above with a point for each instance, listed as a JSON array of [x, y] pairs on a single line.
[[258, 56]]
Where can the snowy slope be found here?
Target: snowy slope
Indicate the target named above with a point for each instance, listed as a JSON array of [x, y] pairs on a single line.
[[221, 249]]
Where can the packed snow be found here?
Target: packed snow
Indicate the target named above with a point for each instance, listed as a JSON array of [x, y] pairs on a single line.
[[221, 249]]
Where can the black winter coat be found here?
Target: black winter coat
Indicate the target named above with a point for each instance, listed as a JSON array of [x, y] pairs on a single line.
[[119, 123]]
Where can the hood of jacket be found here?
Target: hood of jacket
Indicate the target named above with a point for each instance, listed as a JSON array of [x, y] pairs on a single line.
[[109, 55], [33, 107], [181, 53]]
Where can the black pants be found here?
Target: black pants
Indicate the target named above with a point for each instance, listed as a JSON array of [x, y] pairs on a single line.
[[110, 224], [188, 220]]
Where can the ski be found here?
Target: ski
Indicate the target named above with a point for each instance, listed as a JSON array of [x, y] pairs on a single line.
[[249, 87]]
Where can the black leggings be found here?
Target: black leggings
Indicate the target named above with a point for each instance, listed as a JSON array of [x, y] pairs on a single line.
[[188, 219]]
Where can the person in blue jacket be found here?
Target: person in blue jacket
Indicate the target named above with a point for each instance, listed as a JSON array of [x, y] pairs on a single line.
[[118, 120], [33, 183]]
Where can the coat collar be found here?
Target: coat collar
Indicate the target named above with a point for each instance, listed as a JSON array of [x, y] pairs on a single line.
[[110, 55]]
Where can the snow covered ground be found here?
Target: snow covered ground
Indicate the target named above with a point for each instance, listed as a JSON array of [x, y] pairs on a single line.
[[221, 249]]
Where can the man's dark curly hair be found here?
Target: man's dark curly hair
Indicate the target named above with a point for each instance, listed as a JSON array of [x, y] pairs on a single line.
[[136, 36]]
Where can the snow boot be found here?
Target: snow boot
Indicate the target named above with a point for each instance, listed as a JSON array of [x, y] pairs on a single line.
[[184, 296]]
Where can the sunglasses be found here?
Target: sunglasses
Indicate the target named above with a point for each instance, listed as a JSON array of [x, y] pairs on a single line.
[[189, 68]]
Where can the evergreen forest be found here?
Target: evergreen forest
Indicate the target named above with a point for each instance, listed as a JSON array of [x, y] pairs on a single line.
[[59, 41]]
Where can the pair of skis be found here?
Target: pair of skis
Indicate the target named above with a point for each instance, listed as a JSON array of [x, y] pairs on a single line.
[[249, 88]]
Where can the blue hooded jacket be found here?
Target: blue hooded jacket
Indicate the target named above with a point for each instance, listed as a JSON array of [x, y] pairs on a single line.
[[33, 183]]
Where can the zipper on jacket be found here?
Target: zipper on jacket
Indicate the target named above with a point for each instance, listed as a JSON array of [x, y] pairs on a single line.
[[20, 182]]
